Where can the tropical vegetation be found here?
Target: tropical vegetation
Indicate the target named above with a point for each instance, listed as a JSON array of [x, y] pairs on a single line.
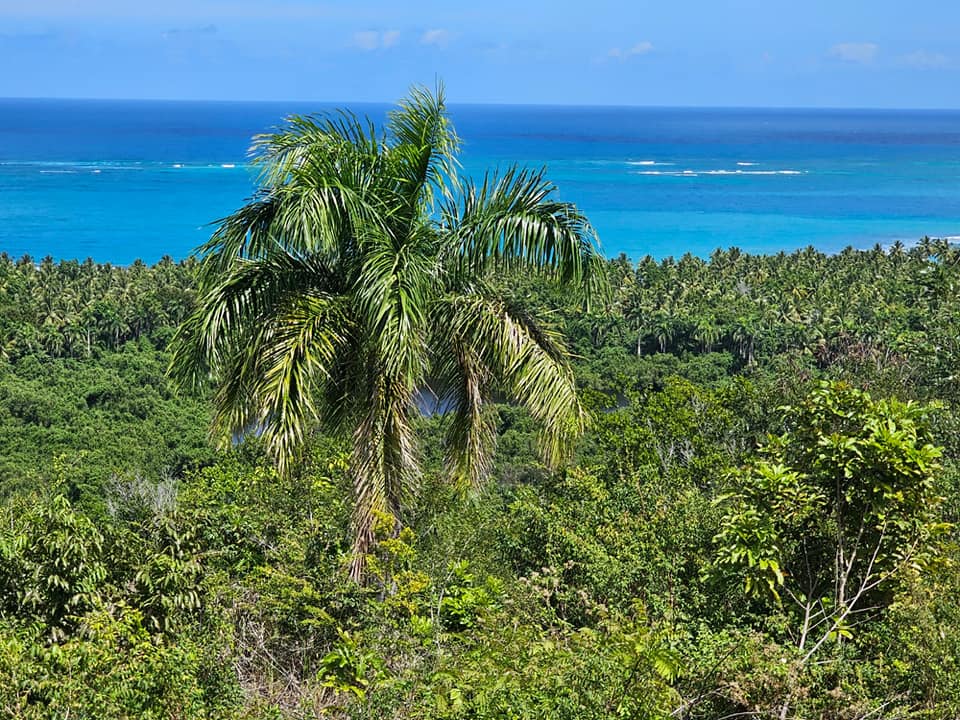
[[758, 521]]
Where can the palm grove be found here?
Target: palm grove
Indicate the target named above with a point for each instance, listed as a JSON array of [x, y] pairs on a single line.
[[747, 526]]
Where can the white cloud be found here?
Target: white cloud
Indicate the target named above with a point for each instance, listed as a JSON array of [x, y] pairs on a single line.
[[374, 40], [437, 36], [366, 40], [389, 38], [641, 48], [855, 52], [924, 59]]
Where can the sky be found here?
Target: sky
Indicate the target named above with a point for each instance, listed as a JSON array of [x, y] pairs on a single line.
[[757, 53]]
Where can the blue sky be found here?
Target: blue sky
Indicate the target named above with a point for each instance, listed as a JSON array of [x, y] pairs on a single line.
[[819, 53]]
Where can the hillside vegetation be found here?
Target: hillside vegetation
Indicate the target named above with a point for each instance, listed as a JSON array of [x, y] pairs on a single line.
[[758, 522]]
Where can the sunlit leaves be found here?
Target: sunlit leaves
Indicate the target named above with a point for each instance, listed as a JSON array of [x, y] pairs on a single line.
[[843, 508]]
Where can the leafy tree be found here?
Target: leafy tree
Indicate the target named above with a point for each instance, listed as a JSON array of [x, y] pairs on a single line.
[[843, 508], [51, 567], [357, 282]]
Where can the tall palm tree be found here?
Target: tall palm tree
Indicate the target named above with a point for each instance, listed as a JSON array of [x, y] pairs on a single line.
[[362, 273]]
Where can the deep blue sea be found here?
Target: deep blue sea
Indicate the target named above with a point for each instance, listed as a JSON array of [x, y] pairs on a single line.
[[119, 180]]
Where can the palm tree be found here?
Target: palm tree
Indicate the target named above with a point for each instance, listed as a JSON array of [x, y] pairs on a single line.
[[664, 328], [744, 335], [361, 274], [706, 332]]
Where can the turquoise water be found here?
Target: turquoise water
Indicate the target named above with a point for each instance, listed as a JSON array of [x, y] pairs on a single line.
[[117, 181]]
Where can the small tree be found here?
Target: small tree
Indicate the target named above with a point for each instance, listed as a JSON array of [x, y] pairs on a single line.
[[840, 509]]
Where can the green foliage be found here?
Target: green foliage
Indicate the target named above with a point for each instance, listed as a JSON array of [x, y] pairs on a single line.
[[619, 669], [116, 411], [167, 584], [144, 574], [111, 668], [845, 502], [80, 622], [348, 668], [769, 499], [841, 514], [358, 281], [52, 567], [464, 600], [682, 431], [918, 649], [78, 310]]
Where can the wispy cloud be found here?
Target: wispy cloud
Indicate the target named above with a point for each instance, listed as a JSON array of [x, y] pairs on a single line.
[[641, 48], [389, 38], [861, 53], [375, 40], [175, 32], [924, 59], [438, 36]]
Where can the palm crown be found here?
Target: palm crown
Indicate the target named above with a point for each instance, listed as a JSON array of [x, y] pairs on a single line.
[[359, 275]]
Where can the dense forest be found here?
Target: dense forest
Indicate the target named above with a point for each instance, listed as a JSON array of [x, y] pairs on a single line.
[[759, 520]]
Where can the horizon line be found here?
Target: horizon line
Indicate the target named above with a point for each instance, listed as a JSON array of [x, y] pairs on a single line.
[[342, 103]]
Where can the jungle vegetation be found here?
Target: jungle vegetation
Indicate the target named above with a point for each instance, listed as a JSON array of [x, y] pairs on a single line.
[[758, 518]]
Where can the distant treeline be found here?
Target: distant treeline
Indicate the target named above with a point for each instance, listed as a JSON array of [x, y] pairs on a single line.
[[70, 308], [873, 301]]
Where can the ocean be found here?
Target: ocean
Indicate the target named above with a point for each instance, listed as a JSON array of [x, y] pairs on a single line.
[[120, 180]]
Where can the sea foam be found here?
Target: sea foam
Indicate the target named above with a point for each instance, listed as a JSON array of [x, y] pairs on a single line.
[[648, 163], [697, 173]]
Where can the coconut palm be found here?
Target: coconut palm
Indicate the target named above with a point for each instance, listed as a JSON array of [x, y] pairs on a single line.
[[360, 278]]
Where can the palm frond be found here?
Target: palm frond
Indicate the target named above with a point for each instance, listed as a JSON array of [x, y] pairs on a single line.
[[394, 291], [247, 233], [272, 380], [336, 139], [319, 184], [512, 222], [423, 136], [237, 303], [527, 359], [463, 386], [267, 335]]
